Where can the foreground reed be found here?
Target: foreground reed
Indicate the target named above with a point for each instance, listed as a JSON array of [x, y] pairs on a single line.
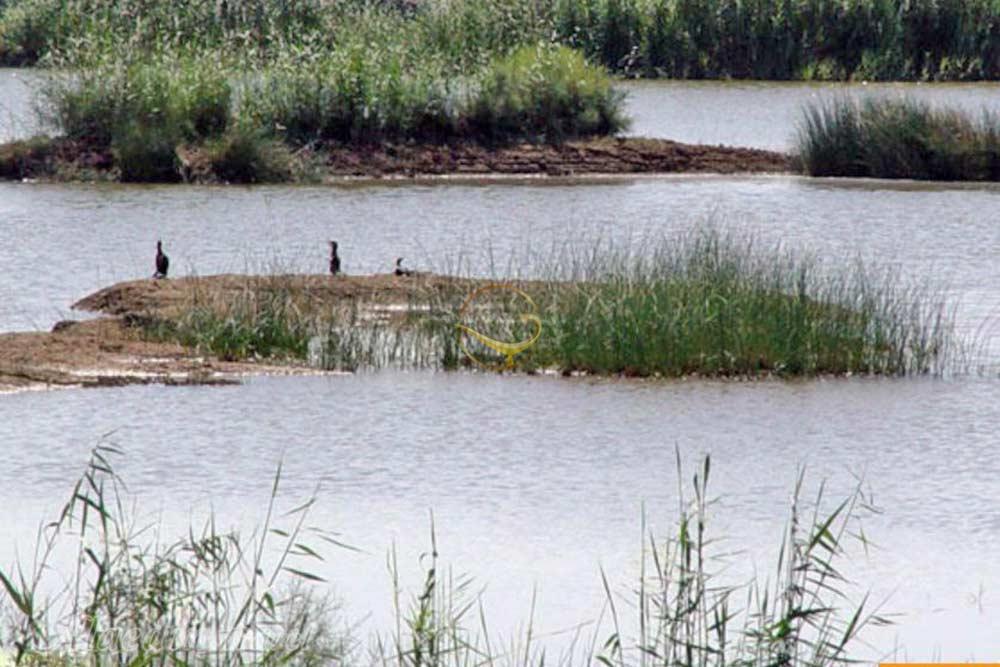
[[218, 598], [707, 303], [898, 138]]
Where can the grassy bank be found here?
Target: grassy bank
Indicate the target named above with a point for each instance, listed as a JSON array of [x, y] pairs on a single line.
[[131, 595], [157, 118], [705, 304], [899, 139], [761, 39]]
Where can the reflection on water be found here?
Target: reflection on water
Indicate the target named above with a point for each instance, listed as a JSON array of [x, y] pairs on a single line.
[[18, 89], [541, 480]]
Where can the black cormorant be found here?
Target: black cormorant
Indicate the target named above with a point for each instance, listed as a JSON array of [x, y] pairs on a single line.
[[162, 262], [334, 259], [400, 271]]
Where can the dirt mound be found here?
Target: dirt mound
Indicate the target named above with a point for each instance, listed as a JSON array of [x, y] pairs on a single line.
[[111, 351], [165, 298]]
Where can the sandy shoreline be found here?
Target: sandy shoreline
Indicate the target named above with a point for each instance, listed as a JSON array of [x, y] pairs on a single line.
[[112, 351]]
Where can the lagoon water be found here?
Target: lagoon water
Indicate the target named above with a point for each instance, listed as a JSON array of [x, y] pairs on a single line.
[[538, 481]]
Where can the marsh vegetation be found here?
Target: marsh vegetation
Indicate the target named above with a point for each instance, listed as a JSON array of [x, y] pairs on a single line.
[[707, 303], [762, 39], [899, 138], [130, 595]]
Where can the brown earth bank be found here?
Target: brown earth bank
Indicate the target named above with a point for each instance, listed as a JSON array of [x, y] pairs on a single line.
[[63, 159], [112, 350]]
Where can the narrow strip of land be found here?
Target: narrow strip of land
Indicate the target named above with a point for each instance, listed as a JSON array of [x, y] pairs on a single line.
[[113, 350], [68, 160]]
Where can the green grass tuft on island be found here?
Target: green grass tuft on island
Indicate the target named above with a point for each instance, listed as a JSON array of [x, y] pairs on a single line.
[[898, 138]]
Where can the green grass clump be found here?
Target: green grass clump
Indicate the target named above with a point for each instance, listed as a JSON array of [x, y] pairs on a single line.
[[712, 304], [243, 155], [551, 93], [886, 138], [140, 111], [262, 322]]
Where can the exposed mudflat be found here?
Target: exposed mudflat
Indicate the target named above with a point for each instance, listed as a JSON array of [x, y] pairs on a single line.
[[165, 298], [112, 351], [591, 157], [66, 160]]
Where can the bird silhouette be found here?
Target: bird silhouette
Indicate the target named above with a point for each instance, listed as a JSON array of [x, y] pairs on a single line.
[[400, 271], [162, 262], [334, 259]]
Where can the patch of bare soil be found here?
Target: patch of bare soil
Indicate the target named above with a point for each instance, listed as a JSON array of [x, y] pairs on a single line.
[[589, 157], [102, 353], [164, 299], [111, 351], [63, 159]]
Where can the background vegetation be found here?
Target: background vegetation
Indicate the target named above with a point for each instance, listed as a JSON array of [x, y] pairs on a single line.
[[762, 39]]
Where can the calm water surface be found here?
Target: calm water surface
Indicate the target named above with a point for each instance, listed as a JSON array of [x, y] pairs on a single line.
[[766, 114], [540, 481], [536, 481]]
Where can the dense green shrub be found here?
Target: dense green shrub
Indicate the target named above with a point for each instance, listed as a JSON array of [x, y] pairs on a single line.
[[146, 154], [545, 92], [244, 155], [363, 95], [765, 39], [354, 94], [185, 100], [898, 139]]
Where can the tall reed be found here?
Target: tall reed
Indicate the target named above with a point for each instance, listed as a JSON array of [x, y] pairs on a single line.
[[219, 598], [762, 39], [898, 138], [208, 598]]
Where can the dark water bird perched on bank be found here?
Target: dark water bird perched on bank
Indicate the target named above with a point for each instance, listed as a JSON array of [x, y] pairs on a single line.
[[162, 262], [334, 259], [400, 271]]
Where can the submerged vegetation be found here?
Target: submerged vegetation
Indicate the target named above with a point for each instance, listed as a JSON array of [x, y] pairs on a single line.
[[705, 304], [129, 595], [886, 138], [761, 39]]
